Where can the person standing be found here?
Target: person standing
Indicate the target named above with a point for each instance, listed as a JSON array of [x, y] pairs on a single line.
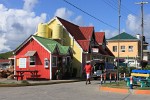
[[88, 70]]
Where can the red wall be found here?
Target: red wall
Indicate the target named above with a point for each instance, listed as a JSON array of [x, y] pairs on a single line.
[[41, 53]]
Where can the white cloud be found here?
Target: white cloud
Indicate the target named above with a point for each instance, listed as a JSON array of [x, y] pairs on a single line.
[[109, 33], [17, 25], [67, 14], [79, 20], [133, 23], [91, 24], [3, 42], [29, 4], [63, 13]]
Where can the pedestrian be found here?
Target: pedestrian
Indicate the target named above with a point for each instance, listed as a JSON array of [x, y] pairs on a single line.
[[88, 70]]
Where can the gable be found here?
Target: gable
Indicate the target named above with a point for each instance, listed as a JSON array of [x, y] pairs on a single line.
[[100, 37]]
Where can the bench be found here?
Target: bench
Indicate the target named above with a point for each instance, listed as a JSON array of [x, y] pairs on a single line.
[[145, 83], [17, 76], [35, 76]]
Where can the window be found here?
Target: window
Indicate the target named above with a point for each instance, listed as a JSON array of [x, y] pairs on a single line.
[[54, 61], [130, 48], [32, 60], [46, 63], [66, 61], [22, 62], [114, 48], [122, 48]]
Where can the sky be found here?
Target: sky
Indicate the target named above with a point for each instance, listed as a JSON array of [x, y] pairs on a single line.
[[19, 18]]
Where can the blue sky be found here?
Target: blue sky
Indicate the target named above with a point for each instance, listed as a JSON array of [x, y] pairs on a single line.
[[19, 18]]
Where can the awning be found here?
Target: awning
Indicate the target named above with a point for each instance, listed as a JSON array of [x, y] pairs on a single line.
[[30, 53]]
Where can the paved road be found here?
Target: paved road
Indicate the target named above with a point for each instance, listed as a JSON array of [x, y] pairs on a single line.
[[65, 91]]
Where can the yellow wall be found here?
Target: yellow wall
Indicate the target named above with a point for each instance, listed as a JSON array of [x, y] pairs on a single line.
[[135, 45], [67, 41]]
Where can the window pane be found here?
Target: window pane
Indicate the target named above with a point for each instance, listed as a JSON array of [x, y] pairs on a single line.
[[114, 48], [130, 48], [122, 48], [32, 60]]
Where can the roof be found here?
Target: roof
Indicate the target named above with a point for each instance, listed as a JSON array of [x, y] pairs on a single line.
[[51, 45], [30, 53], [99, 36], [4, 60], [123, 36], [87, 32], [81, 34], [105, 51], [72, 29], [84, 44]]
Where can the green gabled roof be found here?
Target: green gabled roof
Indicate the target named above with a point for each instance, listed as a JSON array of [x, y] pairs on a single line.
[[64, 49], [51, 45], [123, 36]]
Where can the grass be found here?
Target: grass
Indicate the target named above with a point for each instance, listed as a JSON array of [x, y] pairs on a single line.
[[120, 84]]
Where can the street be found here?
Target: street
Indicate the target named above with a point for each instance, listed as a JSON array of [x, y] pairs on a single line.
[[64, 91]]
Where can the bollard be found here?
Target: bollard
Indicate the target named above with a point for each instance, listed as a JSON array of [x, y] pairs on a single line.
[[101, 79], [104, 77], [131, 82], [124, 75], [119, 76], [115, 77], [110, 77]]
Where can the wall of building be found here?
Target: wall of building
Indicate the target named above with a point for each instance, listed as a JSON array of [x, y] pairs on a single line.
[[41, 54], [126, 44], [68, 41]]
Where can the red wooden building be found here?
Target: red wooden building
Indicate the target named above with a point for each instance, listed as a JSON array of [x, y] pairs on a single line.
[[40, 57]]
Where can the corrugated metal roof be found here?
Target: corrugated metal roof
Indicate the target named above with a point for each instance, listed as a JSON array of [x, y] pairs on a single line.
[[51, 45], [30, 53], [99, 36], [84, 44], [87, 32], [123, 36]]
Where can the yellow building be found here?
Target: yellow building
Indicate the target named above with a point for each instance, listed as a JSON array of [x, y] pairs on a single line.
[[128, 46], [80, 39]]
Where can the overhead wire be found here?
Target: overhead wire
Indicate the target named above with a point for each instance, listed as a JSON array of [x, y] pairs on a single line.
[[90, 14]]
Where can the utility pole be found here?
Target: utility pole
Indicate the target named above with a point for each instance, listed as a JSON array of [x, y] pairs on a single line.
[[119, 16], [142, 29]]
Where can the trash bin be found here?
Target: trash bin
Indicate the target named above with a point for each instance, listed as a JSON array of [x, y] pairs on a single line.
[[128, 81]]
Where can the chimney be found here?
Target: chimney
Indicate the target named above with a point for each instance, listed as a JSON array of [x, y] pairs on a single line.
[[138, 36]]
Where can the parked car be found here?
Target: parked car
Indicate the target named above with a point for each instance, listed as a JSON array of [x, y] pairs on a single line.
[[99, 67]]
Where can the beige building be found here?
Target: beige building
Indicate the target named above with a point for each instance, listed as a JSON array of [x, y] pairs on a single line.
[[129, 48]]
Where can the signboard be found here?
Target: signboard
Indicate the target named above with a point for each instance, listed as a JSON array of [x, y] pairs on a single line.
[[22, 62], [95, 50]]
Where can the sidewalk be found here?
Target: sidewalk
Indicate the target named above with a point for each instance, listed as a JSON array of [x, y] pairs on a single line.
[[10, 82]]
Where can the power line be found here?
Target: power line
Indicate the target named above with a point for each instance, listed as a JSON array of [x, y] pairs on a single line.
[[90, 14], [113, 5]]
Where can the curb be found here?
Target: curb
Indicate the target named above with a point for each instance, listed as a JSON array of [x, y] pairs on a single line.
[[142, 92], [35, 84], [115, 90], [124, 91]]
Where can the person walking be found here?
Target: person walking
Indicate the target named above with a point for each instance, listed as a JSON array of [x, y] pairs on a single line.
[[88, 70]]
